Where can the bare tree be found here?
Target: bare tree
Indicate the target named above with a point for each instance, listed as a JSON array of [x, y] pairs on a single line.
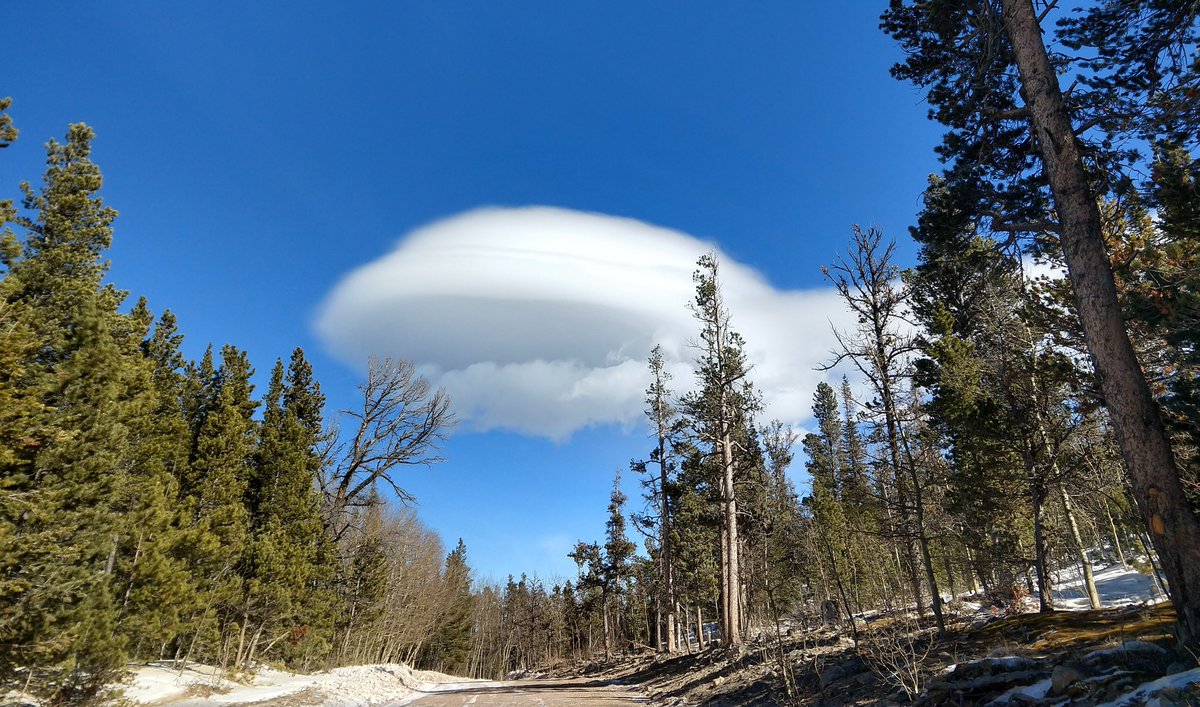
[[402, 422], [879, 348]]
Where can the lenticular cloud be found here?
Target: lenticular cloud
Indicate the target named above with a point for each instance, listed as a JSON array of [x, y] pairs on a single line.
[[539, 320]]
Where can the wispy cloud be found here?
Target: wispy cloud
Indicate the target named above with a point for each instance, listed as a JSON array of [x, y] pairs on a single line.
[[539, 320]]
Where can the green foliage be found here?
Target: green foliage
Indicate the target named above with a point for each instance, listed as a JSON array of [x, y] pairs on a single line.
[[8, 131], [77, 478], [451, 639]]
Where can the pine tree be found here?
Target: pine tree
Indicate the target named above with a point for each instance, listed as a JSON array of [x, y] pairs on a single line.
[[150, 571], [8, 131], [283, 566], [661, 413], [604, 569], [59, 622], [79, 477], [61, 265], [216, 503], [451, 638], [826, 464], [695, 536], [1030, 152], [724, 403]]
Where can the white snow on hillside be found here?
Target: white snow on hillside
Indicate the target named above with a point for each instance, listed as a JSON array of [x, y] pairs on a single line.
[[1117, 585]]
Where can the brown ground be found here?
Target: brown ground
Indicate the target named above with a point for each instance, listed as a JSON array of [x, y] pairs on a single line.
[[826, 669], [537, 693]]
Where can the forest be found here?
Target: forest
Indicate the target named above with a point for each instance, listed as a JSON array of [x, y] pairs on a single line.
[[1019, 403]]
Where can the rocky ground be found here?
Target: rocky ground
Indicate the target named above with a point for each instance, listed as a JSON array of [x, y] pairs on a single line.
[[1120, 656]]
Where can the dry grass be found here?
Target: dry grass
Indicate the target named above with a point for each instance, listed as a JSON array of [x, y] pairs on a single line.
[[1078, 630]]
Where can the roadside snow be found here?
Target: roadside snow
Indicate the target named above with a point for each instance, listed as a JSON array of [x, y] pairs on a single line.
[[364, 685]]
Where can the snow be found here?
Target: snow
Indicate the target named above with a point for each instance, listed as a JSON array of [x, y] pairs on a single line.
[[1036, 691], [1128, 647], [390, 684], [1146, 693], [1117, 585]]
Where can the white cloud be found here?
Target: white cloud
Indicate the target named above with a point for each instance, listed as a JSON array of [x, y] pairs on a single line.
[[539, 320]]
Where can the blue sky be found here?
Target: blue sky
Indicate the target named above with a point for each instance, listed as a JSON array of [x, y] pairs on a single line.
[[267, 159]]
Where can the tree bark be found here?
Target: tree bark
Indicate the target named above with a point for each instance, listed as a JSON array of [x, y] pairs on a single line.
[[667, 574], [1089, 581], [1115, 536], [1145, 446], [733, 604], [1045, 587]]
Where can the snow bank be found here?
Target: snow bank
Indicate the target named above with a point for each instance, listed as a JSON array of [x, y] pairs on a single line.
[[350, 686]]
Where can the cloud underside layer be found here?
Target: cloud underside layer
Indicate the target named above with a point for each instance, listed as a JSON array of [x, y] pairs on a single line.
[[539, 320]]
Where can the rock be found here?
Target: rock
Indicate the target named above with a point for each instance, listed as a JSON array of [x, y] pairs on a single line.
[[840, 671], [937, 693], [1176, 667], [1061, 677], [1171, 693], [866, 679], [992, 683]]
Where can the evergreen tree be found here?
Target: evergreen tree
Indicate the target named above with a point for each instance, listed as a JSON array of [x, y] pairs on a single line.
[[695, 536], [662, 415], [1040, 159], [604, 569], [451, 639], [216, 502], [82, 479], [282, 564], [826, 464], [61, 265], [723, 406], [150, 570], [60, 614], [8, 131]]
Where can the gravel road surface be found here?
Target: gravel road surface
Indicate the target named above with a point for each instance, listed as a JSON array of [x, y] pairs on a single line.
[[533, 693]]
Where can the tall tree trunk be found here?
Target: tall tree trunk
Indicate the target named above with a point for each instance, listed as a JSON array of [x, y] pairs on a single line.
[[1045, 587], [918, 495], [909, 542], [1115, 536], [1145, 446], [948, 564], [732, 633], [1089, 581], [667, 573]]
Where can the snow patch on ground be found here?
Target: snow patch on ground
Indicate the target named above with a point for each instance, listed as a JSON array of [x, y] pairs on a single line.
[[393, 684], [1146, 691], [1036, 691], [1117, 585]]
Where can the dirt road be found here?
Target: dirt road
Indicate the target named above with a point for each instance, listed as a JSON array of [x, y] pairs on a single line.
[[532, 693]]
